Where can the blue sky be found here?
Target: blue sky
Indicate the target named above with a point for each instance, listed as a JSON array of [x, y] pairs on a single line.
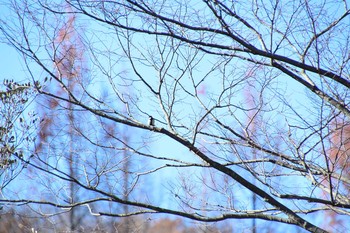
[[11, 67], [11, 64]]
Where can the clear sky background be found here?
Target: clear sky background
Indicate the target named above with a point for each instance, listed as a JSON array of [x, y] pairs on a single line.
[[12, 67], [11, 64]]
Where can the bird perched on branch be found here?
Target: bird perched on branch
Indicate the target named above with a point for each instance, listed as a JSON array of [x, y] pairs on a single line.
[[151, 121]]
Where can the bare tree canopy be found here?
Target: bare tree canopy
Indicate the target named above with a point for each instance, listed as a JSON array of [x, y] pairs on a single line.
[[208, 110]]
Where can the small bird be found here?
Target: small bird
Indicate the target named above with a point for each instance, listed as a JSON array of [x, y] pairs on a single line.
[[151, 121]]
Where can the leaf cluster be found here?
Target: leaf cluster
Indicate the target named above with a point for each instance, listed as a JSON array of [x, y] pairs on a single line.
[[14, 127]]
